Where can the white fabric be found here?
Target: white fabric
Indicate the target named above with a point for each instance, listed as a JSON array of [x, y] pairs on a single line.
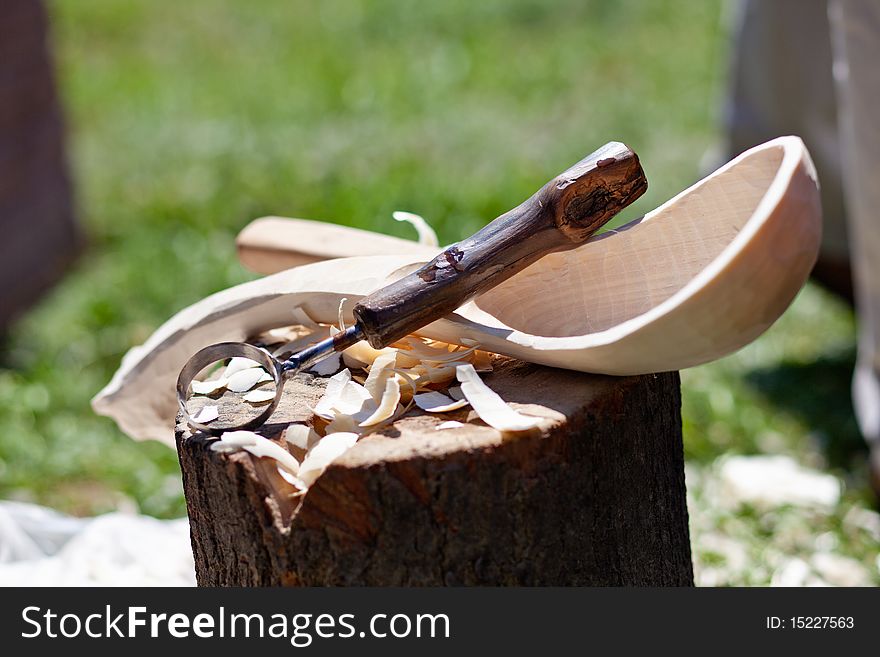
[[41, 547]]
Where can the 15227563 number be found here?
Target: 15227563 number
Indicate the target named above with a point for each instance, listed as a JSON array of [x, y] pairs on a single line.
[[810, 623], [822, 622]]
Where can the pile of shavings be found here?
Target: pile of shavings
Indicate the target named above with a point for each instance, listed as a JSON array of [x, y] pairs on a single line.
[[367, 390]]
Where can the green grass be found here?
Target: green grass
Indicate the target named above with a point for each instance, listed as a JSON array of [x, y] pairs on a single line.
[[188, 119]]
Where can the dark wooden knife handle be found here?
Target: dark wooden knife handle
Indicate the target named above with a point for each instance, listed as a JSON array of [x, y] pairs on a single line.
[[562, 214]]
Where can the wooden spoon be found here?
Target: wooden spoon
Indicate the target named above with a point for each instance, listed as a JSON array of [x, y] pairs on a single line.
[[699, 277]]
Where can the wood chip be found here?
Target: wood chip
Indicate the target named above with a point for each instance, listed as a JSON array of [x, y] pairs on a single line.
[[353, 363], [292, 480], [343, 424], [244, 380], [259, 396], [265, 448], [327, 450], [427, 236], [404, 359], [441, 375], [235, 440], [436, 354], [209, 387], [301, 435], [353, 399], [237, 364], [257, 445], [275, 336], [437, 402], [449, 424], [388, 405], [411, 386], [380, 371], [326, 366], [492, 410], [324, 407], [482, 361], [364, 354], [340, 318], [207, 414]]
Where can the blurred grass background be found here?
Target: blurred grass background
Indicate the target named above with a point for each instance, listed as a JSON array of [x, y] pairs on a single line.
[[186, 120]]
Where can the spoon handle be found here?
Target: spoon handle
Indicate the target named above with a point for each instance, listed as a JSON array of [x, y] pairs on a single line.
[[562, 214]]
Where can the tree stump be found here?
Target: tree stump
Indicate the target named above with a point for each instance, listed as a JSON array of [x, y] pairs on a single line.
[[36, 216], [598, 498]]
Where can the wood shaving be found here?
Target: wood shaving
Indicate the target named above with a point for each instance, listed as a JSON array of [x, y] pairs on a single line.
[[351, 362], [340, 318], [259, 396], [324, 407], [387, 407], [292, 480], [380, 371], [412, 387], [406, 360], [449, 424], [233, 440], [257, 445], [276, 336], [244, 380], [482, 361], [436, 354], [427, 236], [209, 387], [363, 354], [437, 402], [439, 375], [238, 364], [207, 414], [265, 448], [492, 410], [301, 435], [354, 399], [326, 366], [412, 371], [343, 423], [324, 453]]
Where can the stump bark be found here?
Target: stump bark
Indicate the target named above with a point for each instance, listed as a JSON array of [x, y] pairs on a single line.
[[595, 497]]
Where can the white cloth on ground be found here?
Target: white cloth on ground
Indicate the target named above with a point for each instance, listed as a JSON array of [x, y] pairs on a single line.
[[41, 547]]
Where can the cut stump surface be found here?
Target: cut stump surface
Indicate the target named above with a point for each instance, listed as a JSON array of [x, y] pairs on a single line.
[[594, 496]]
